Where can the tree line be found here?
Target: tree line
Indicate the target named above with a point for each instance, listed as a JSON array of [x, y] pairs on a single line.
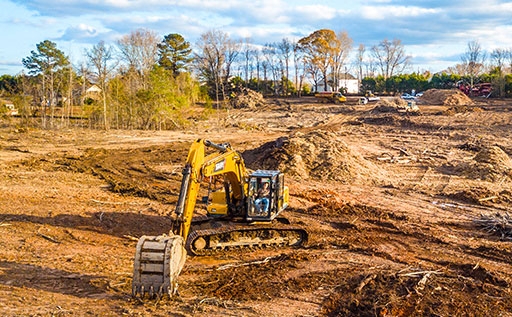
[[146, 82], [476, 67]]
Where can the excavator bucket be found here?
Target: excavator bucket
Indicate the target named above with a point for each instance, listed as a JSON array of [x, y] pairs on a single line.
[[158, 262]]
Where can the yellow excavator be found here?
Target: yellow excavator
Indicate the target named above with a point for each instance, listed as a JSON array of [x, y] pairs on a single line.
[[235, 217]]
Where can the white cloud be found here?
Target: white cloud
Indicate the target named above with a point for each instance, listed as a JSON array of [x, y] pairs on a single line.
[[428, 29], [380, 13], [317, 12], [79, 32]]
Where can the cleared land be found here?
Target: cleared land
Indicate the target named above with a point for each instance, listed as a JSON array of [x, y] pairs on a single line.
[[408, 215]]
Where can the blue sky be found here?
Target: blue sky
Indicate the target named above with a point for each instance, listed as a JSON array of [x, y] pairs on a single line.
[[435, 33]]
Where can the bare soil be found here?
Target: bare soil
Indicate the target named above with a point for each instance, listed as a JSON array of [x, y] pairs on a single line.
[[391, 202]]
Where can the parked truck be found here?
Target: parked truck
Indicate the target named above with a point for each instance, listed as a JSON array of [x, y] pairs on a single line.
[[334, 97]]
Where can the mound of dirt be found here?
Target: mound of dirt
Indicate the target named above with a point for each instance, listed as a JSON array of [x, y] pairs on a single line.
[[317, 154], [461, 109], [395, 105], [490, 164], [389, 105], [428, 293], [247, 98], [446, 97]]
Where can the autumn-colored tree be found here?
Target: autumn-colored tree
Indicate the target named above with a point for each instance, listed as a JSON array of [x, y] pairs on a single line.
[[318, 48], [326, 52]]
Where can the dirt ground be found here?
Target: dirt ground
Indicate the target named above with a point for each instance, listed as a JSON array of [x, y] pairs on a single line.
[[406, 214]]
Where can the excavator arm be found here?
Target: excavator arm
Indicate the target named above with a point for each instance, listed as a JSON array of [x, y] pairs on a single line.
[[225, 161], [159, 260]]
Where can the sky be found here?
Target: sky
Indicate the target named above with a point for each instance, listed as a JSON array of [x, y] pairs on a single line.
[[434, 33]]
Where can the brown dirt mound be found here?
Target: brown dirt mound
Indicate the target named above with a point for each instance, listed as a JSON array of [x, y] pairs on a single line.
[[461, 109], [446, 97], [247, 98], [489, 164], [422, 294], [389, 105], [317, 154]]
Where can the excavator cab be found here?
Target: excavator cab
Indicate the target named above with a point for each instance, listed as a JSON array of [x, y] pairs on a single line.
[[268, 207]]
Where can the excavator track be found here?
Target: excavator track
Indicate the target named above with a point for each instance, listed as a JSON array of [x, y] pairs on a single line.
[[160, 259], [231, 235]]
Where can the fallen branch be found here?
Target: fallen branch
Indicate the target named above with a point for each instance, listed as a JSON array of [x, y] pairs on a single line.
[[403, 152], [498, 223], [417, 274], [223, 267], [130, 237], [48, 238], [364, 282], [421, 284], [71, 235], [487, 198]]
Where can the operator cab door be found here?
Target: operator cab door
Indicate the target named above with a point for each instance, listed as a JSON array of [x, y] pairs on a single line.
[[258, 209]]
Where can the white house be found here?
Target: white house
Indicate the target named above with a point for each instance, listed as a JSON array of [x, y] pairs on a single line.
[[347, 81]]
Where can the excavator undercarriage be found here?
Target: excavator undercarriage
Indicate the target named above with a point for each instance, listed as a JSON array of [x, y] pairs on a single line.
[[234, 236], [157, 262]]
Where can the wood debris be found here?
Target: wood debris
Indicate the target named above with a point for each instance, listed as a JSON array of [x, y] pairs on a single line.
[[499, 224]]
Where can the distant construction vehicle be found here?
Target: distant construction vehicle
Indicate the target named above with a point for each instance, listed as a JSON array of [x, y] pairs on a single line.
[[329, 96], [478, 90], [410, 107], [368, 97]]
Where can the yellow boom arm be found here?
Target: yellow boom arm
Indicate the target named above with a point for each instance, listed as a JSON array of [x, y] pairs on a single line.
[[224, 161]]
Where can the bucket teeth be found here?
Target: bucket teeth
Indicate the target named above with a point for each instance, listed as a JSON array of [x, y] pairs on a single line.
[[158, 262]]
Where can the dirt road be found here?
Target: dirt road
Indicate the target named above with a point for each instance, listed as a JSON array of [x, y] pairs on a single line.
[[406, 215]]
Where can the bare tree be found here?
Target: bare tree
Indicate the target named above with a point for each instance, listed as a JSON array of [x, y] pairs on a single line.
[[258, 62], [341, 51], [473, 60], [233, 49], [140, 51], [99, 59], [361, 50], [285, 50], [271, 63], [458, 69], [215, 57], [390, 57], [248, 53], [297, 62]]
